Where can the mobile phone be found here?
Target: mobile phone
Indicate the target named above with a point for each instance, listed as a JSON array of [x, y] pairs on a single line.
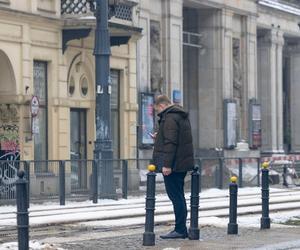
[[151, 135]]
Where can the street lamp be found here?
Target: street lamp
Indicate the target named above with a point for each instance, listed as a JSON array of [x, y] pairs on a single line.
[[103, 152]]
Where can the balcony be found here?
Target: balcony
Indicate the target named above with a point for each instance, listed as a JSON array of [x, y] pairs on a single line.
[[69, 8]]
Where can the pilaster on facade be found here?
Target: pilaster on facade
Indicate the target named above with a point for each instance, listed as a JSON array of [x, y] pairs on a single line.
[[294, 95], [172, 45], [270, 92], [251, 41], [227, 19]]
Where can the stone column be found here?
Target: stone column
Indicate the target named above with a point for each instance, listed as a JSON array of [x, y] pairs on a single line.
[[295, 100], [227, 16], [279, 69], [251, 57], [269, 63], [172, 45]]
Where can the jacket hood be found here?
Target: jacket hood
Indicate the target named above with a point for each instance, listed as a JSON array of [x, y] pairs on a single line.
[[174, 109]]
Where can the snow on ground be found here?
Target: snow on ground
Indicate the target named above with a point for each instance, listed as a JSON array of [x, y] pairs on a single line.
[[209, 193], [33, 245]]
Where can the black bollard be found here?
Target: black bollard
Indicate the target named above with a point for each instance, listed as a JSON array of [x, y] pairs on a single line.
[[22, 212], [149, 236], [265, 219], [233, 190], [194, 232]]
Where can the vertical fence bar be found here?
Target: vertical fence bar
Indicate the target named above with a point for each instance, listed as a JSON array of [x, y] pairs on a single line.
[[221, 169], [258, 172], [200, 174], [27, 174], [240, 172], [22, 212], [124, 179], [62, 186], [194, 232], [95, 181]]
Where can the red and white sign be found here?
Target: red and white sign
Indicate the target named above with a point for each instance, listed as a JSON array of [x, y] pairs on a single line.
[[34, 106]]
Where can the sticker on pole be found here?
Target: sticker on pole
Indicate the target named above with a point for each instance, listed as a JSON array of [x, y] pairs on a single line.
[[34, 106]]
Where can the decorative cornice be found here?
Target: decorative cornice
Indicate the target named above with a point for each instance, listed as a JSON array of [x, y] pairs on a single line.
[[280, 6]]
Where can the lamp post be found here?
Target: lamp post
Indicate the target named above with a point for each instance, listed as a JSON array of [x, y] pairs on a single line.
[[103, 152]]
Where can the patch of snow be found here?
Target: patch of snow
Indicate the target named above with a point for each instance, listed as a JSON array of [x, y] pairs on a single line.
[[33, 245]]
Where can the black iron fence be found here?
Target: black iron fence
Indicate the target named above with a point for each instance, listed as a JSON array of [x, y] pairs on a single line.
[[60, 180]]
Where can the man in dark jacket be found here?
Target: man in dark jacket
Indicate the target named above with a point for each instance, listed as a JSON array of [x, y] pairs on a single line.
[[173, 155]]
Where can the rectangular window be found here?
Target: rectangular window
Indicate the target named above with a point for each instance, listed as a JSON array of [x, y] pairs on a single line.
[[115, 114], [41, 138]]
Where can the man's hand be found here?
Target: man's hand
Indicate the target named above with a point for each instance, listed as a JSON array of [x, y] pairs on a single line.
[[166, 171]]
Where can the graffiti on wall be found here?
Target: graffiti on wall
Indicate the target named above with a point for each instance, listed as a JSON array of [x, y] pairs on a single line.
[[9, 131], [9, 149]]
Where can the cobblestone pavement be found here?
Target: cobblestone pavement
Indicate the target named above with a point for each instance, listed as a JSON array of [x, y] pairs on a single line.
[[282, 237]]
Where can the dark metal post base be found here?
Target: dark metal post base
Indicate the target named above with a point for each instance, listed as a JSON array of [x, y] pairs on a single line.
[[194, 234], [265, 223], [232, 228], [148, 239]]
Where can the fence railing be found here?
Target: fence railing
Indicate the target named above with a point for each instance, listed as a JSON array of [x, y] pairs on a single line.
[[61, 180]]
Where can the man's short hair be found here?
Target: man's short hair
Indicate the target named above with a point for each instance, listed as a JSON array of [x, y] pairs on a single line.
[[162, 99]]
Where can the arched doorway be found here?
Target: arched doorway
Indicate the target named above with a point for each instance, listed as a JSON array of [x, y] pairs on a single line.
[[9, 112]]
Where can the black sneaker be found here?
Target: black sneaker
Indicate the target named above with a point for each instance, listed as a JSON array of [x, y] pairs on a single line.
[[174, 235]]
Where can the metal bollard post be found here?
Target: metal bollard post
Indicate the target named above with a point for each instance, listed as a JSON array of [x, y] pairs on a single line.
[[62, 188], [194, 232], [240, 173], [22, 212], [233, 190], [149, 236], [124, 179], [95, 181], [265, 219]]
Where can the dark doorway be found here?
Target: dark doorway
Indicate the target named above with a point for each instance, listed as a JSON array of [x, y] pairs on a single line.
[[78, 148]]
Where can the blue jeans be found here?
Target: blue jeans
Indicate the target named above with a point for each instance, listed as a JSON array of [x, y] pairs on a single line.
[[174, 184]]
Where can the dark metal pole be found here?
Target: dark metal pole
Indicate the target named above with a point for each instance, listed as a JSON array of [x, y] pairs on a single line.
[[240, 172], [95, 181], [284, 176], [62, 183], [265, 219], [233, 190], [149, 236], [124, 179], [194, 232], [258, 172], [22, 212], [103, 144]]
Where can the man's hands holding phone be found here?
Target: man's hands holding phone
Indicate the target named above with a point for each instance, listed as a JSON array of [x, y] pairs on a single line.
[[166, 171]]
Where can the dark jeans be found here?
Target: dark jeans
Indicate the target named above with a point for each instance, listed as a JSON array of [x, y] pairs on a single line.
[[174, 184]]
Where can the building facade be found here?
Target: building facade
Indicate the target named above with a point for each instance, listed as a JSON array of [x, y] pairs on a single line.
[[46, 51], [234, 66]]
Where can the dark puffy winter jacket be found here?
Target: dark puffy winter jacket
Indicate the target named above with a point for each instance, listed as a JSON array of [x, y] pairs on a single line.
[[173, 145]]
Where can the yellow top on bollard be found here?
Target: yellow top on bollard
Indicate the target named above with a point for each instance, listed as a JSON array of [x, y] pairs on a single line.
[[151, 167], [265, 164], [233, 179]]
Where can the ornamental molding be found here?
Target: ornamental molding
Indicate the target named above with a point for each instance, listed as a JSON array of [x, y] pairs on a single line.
[[285, 7]]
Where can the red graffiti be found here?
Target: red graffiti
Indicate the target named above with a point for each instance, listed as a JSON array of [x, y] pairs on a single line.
[[10, 146]]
